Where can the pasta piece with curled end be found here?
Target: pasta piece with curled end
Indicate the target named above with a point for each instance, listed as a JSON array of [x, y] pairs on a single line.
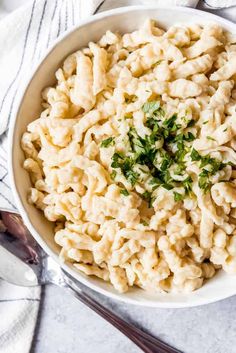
[[206, 231], [139, 120], [178, 35], [145, 34], [27, 144], [147, 239], [206, 205], [159, 218], [185, 273], [68, 239], [201, 46], [221, 60], [229, 265], [94, 169], [99, 68], [87, 121], [178, 228], [191, 67], [59, 103], [82, 93], [224, 195], [208, 270], [173, 260], [77, 255], [130, 274], [53, 156], [67, 204], [164, 200], [197, 253], [226, 71], [109, 38], [220, 136], [34, 169], [69, 65], [93, 270], [170, 51], [104, 247], [201, 80], [114, 209], [36, 197], [120, 256], [219, 238], [191, 284], [218, 255], [84, 228], [148, 258], [182, 88], [162, 71], [141, 277], [60, 130], [118, 278], [222, 94]]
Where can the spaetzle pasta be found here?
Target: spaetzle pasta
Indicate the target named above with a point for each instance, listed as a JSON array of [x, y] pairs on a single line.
[[133, 157]]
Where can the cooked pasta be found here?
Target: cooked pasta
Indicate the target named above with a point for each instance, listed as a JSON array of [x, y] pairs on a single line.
[[133, 157]]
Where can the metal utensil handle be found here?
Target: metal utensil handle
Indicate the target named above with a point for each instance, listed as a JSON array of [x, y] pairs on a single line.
[[145, 341]]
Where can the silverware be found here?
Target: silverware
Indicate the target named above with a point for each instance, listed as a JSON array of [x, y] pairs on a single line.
[[24, 263]]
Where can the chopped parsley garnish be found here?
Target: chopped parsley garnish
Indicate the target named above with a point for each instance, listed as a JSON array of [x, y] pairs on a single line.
[[164, 151], [147, 196], [187, 183], [178, 196], [203, 180], [210, 138], [108, 142], [191, 123], [124, 192], [195, 156], [113, 174], [143, 222]]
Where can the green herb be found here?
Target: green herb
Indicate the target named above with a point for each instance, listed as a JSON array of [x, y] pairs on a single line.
[[155, 182], [203, 180], [167, 186], [143, 222], [166, 162], [195, 156], [132, 177], [178, 196], [210, 138], [187, 183], [113, 174], [151, 107], [147, 196], [124, 192], [225, 129], [205, 122], [180, 168], [116, 160], [108, 142], [191, 123]]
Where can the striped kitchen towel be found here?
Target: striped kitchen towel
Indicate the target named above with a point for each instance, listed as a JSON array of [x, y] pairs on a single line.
[[25, 34]]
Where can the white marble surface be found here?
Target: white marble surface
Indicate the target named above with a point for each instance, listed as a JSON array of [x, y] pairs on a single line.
[[68, 326]]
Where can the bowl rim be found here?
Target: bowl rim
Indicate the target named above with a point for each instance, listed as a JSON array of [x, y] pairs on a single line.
[[19, 204]]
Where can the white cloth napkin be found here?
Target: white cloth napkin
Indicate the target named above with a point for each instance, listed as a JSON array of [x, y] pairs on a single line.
[[25, 34]]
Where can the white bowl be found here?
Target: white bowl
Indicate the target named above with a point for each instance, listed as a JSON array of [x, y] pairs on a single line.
[[124, 20]]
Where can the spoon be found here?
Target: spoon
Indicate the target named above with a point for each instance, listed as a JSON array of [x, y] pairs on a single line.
[[23, 262]]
